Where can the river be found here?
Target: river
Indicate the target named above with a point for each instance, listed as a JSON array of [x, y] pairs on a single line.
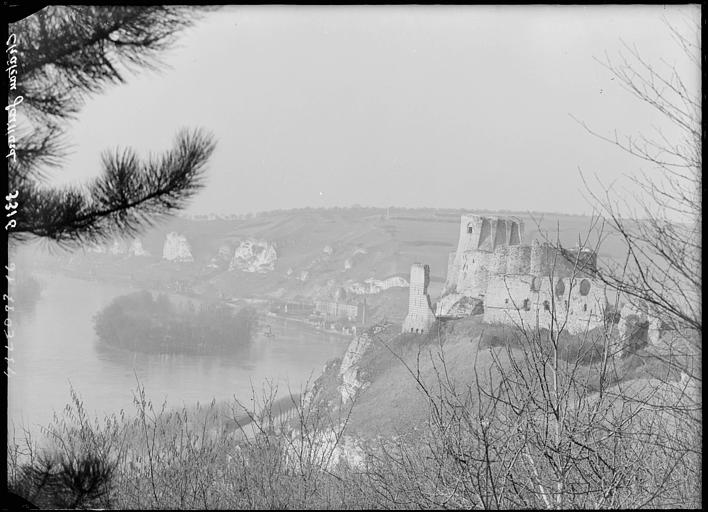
[[55, 348]]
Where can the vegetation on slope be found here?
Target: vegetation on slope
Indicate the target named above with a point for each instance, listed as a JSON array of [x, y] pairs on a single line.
[[443, 428]]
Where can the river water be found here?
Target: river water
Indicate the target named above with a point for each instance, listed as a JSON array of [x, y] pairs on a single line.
[[56, 349]]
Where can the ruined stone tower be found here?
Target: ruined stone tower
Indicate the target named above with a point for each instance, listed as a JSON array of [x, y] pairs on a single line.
[[469, 268], [420, 313], [536, 284]]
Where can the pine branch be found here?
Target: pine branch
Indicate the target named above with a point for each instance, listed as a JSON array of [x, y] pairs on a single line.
[[127, 198], [67, 53]]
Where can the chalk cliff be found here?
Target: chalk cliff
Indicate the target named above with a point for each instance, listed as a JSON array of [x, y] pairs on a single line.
[[136, 248], [349, 369], [327, 448], [254, 256], [374, 286], [176, 248]]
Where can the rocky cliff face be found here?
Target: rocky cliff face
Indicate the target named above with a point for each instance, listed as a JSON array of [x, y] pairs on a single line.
[[254, 256], [373, 286], [349, 369], [177, 248], [324, 448], [330, 446], [455, 305]]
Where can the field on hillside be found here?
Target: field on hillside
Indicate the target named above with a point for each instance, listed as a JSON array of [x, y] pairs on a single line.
[[374, 243]]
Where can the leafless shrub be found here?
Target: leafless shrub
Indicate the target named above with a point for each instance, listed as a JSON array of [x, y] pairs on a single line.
[[544, 428]]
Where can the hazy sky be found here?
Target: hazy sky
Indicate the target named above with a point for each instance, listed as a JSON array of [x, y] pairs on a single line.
[[459, 107]]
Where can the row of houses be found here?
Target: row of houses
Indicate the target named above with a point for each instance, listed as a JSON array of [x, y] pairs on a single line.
[[329, 310]]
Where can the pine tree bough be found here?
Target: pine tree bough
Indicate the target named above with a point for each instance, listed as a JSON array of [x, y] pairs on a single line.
[[64, 55]]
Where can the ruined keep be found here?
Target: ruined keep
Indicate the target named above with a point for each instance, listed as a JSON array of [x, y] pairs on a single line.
[[520, 283], [177, 248], [420, 313], [469, 266]]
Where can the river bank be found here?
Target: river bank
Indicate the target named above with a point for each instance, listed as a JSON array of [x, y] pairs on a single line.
[[56, 350], [260, 304]]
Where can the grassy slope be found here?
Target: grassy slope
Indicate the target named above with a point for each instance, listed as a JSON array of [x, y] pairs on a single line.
[[392, 403]]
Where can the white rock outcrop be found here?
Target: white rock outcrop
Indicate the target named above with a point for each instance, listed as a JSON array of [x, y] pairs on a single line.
[[455, 305], [656, 330], [136, 248], [121, 248], [277, 294], [176, 248], [373, 286], [349, 369], [325, 449], [118, 248], [349, 262], [254, 256]]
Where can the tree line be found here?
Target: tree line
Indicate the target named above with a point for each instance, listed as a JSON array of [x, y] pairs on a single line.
[[145, 323]]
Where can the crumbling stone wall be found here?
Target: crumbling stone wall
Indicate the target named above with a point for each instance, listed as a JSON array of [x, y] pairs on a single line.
[[514, 299], [585, 261], [452, 270], [518, 259], [499, 258], [420, 313], [638, 326], [548, 260], [514, 280], [632, 329], [474, 274]]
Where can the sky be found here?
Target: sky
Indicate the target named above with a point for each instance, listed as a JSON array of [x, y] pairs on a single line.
[[412, 106]]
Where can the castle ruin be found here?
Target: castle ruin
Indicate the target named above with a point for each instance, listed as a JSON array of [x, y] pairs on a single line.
[[468, 267], [516, 283], [420, 313]]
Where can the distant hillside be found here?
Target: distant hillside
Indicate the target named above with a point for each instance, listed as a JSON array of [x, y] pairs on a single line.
[[318, 250]]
